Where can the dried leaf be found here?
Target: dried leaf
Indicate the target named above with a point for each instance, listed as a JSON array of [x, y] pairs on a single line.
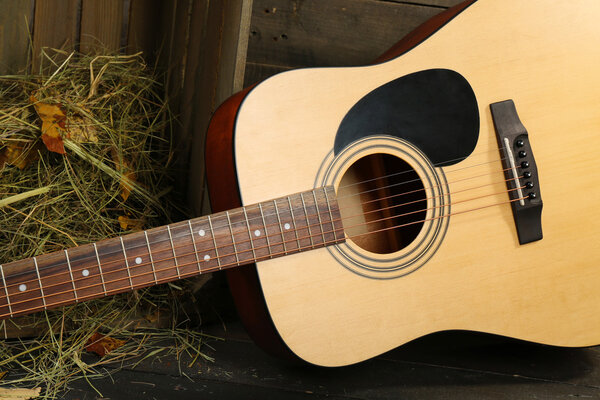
[[153, 317], [102, 345], [3, 374], [128, 175], [126, 184], [130, 223], [53, 124], [18, 155], [81, 130]]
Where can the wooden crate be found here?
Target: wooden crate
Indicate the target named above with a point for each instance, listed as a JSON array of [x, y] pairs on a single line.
[[199, 45]]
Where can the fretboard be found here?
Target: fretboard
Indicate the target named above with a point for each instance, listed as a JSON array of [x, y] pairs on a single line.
[[275, 228]]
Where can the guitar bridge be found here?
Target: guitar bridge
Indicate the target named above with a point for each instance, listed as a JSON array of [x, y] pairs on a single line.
[[520, 171]]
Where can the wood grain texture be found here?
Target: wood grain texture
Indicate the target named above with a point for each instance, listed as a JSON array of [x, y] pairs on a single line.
[[544, 291], [452, 365], [101, 26], [56, 25], [320, 38], [213, 72], [336, 32], [145, 31], [15, 24]]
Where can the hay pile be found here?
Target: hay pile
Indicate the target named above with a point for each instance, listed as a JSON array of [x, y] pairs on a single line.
[[84, 155]]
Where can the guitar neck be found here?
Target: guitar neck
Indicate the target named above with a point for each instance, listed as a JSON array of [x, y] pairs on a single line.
[[275, 228]]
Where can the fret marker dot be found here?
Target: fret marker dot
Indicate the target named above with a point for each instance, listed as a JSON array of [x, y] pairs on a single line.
[[257, 233], [85, 272], [206, 257], [201, 232], [138, 260], [22, 287], [287, 226]]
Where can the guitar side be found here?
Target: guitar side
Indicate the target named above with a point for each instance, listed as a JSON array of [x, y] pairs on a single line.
[[480, 278]]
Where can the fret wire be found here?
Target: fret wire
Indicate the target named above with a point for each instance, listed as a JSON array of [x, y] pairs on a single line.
[[126, 263], [212, 234], [71, 274], [143, 285], [237, 259], [318, 214], [330, 213], [195, 248], [150, 255], [173, 248], [280, 227], [37, 270], [249, 232], [100, 269], [307, 221], [266, 232], [294, 222], [291, 212], [6, 291]]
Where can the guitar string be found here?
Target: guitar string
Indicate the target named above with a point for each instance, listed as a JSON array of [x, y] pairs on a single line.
[[366, 181], [440, 164], [144, 245], [218, 268], [266, 226], [235, 253], [347, 196], [413, 180]]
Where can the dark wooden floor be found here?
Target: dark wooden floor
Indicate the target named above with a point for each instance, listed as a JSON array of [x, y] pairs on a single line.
[[450, 365]]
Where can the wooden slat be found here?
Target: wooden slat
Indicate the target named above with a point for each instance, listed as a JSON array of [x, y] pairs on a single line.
[[101, 25], [56, 25], [144, 32], [214, 70], [336, 32], [15, 22]]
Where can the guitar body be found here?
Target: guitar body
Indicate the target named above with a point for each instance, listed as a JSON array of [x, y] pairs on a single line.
[[459, 263]]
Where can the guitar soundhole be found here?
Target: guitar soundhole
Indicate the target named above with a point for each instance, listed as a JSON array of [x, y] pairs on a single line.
[[383, 203]]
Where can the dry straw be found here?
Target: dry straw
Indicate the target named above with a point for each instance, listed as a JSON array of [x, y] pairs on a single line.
[[112, 179]]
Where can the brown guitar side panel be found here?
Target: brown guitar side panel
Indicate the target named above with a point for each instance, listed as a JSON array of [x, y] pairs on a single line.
[[224, 193], [423, 31]]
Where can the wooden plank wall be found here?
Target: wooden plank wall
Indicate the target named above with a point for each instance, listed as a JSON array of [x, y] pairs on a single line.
[[287, 34], [198, 46]]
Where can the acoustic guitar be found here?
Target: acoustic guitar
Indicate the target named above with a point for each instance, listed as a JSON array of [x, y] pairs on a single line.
[[452, 185]]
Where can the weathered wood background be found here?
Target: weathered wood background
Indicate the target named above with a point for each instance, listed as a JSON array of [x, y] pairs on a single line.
[[288, 34]]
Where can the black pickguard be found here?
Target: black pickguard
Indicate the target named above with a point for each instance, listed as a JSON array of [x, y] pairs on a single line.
[[436, 110]]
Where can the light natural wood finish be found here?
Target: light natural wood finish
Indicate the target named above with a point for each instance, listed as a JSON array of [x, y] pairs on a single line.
[[544, 56]]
